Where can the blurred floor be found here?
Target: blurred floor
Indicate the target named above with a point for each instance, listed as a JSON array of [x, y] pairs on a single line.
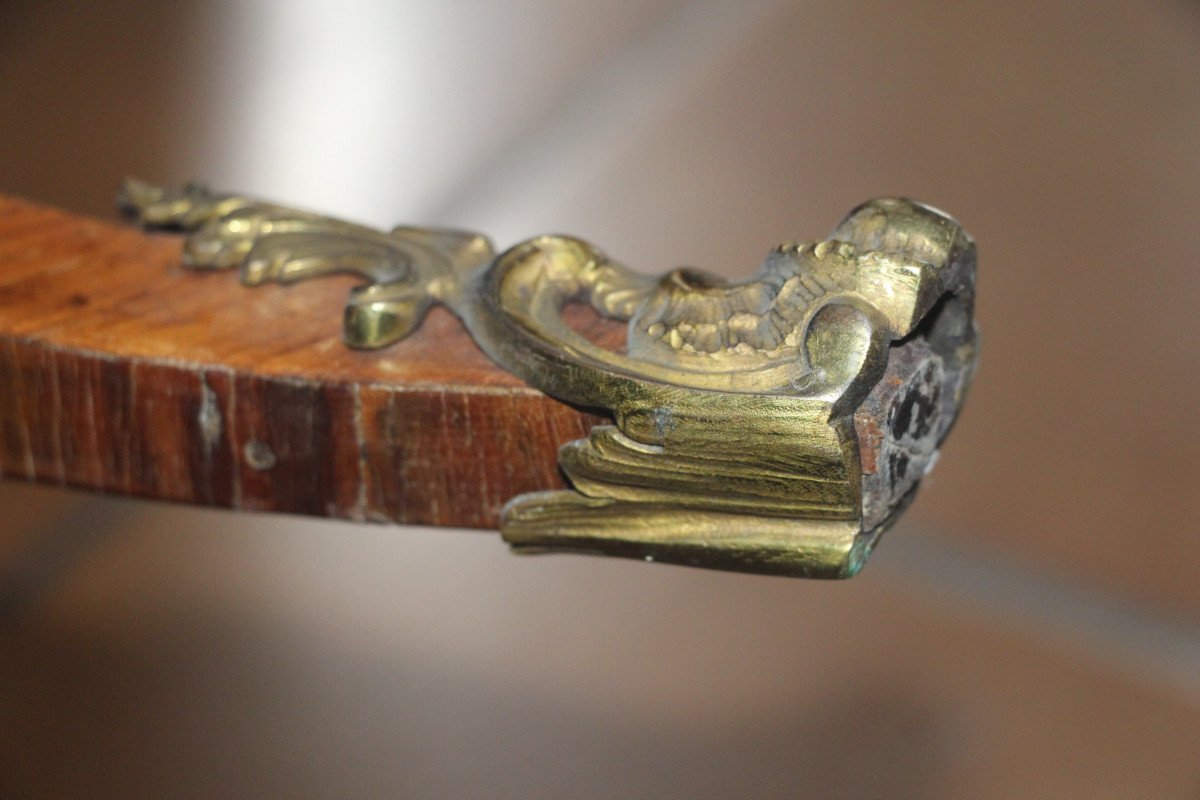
[[161, 651], [184, 659]]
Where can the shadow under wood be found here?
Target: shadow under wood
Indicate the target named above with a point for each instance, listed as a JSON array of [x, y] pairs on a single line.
[[51, 548]]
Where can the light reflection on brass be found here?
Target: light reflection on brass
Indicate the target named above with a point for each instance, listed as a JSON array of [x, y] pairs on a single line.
[[778, 425]]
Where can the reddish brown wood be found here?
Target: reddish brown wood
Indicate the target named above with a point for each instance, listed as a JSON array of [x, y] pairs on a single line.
[[121, 371]]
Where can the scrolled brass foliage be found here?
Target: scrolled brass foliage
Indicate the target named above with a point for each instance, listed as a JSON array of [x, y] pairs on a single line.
[[778, 425]]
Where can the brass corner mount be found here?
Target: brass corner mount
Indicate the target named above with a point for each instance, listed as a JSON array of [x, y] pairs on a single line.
[[779, 425]]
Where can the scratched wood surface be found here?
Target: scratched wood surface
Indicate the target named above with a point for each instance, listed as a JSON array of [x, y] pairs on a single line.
[[123, 372]]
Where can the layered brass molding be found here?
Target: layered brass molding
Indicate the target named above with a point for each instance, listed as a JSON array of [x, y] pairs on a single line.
[[778, 425]]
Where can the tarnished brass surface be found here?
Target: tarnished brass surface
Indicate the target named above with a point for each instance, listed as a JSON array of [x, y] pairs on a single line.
[[778, 425]]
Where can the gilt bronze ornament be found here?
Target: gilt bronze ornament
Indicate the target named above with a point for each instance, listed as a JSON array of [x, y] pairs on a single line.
[[779, 425]]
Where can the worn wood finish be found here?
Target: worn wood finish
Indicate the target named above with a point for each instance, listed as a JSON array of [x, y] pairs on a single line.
[[123, 372]]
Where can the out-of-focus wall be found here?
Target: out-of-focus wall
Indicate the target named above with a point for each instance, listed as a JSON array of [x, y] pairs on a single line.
[[1030, 629]]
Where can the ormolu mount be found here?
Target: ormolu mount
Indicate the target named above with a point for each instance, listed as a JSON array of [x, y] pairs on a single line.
[[778, 425]]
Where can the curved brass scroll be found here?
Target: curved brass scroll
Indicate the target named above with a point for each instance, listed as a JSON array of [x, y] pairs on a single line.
[[777, 425]]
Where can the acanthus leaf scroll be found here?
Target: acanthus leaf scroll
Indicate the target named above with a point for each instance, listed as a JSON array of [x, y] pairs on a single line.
[[776, 425]]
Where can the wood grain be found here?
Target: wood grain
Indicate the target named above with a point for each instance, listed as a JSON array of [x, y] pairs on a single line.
[[123, 372]]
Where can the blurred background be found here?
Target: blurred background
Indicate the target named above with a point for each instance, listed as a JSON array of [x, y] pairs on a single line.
[[1031, 629]]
